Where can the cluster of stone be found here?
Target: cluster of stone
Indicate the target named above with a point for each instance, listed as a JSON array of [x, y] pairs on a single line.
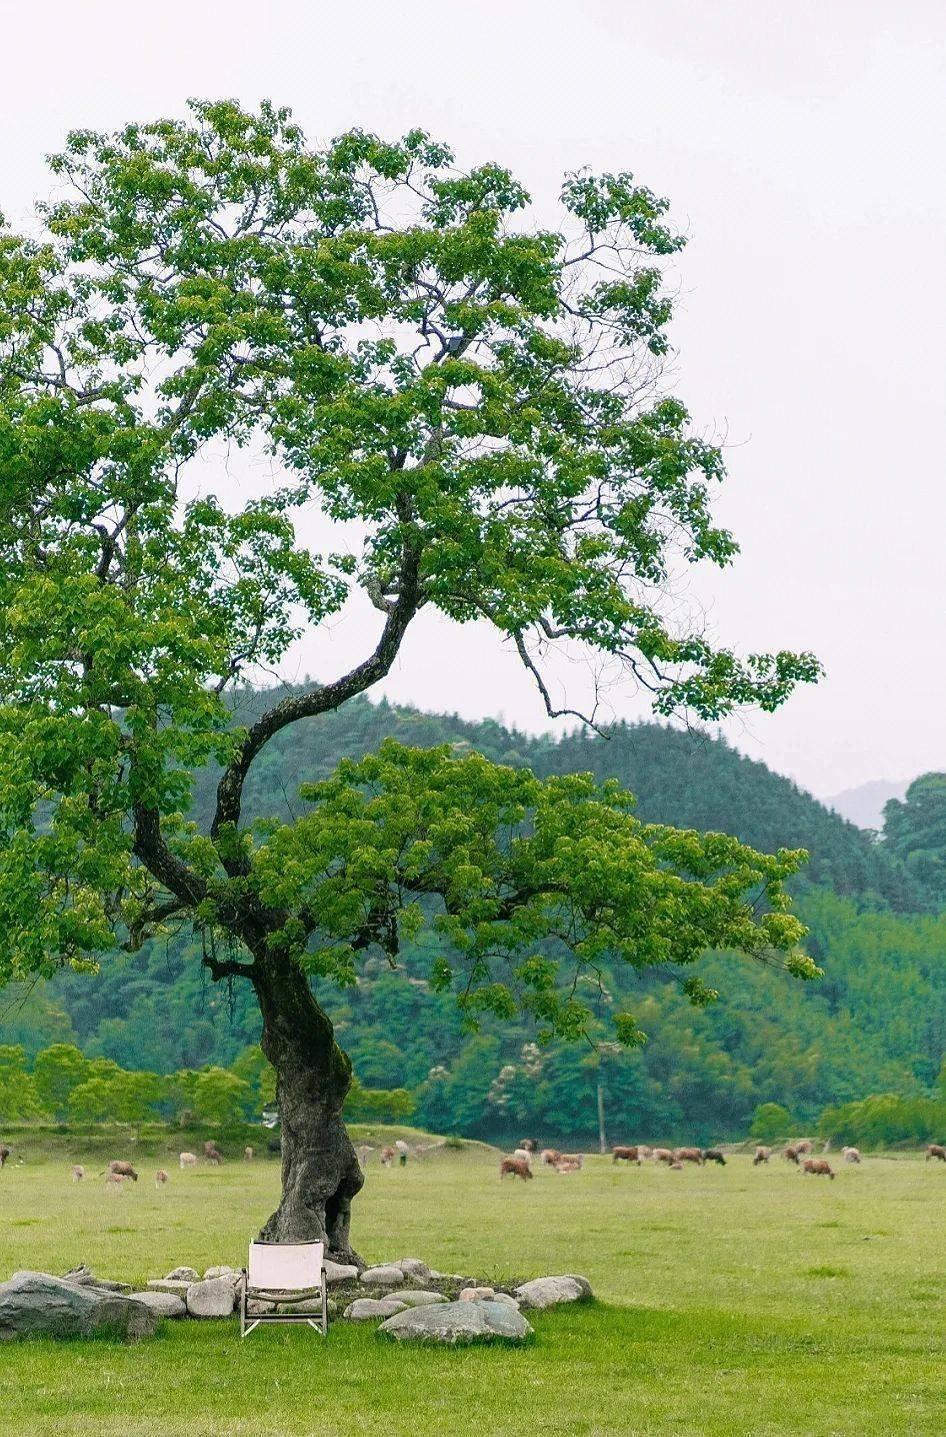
[[409, 1300]]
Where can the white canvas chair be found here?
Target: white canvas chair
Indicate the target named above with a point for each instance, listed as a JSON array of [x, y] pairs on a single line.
[[283, 1272]]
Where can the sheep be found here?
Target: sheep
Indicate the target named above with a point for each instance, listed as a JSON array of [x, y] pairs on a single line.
[[790, 1153], [248, 1155], [550, 1156], [576, 1159], [212, 1153], [387, 1156], [714, 1155], [662, 1155], [819, 1166], [523, 1155], [626, 1155], [801, 1145], [567, 1165], [160, 1178], [122, 1169], [363, 1151], [78, 1172], [4, 1154], [688, 1155], [851, 1155], [516, 1168], [530, 1145], [403, 1151], [114, 1181], [936, 1150], [762, 1155], [188, 1160]]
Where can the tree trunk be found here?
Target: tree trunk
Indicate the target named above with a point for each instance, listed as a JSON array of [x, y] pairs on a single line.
[[320, 1170]]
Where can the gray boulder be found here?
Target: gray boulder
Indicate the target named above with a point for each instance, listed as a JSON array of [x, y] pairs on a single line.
[[34, 1304], [233, 1273], [385, 1276], [340, 1271], [418, 1297], [414, 1267], [163, 1304], [183, 1274], [458, 1323], [175, 1285], [214, 1297], [547, 1291], [477, 1294], [363, 1309]]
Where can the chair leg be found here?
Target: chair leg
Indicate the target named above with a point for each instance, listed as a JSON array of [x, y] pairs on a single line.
[[324, 1311]]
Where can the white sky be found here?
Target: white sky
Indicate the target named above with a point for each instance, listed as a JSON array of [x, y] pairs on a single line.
[[803, 147]]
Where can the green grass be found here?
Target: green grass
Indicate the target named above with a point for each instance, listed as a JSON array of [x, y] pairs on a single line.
[[732, 1300]]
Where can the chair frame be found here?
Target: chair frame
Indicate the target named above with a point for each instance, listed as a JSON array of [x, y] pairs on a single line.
[[284, 1296]]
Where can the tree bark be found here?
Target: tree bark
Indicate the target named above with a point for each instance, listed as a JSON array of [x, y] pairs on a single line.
[[320, 1170]]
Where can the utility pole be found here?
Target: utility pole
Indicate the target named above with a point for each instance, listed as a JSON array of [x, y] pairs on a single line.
[[602, 1137]]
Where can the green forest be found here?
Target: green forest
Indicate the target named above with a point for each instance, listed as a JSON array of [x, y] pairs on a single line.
[[875, 1023]]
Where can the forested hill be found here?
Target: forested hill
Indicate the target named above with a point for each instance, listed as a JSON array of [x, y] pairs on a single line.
[[875, 1023], [685, 778]]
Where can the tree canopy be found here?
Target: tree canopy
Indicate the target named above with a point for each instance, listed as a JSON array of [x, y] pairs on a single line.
[[474, 407]]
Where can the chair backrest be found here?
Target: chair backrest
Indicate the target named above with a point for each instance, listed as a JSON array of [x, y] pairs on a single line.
[[285, 1266]]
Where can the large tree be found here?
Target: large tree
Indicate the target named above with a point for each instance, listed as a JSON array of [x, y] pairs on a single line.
[[475, 404]]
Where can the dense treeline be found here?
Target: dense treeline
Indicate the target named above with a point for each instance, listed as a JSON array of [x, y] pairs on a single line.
[[875, 1023]]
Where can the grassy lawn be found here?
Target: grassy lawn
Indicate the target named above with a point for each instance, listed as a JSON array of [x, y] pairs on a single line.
[[730, 1301]]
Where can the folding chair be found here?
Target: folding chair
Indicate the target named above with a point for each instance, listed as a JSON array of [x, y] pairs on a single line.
[[283, 1272]]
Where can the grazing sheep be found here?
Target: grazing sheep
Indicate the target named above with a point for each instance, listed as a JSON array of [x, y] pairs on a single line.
[[936, 1150], [676, 1164], [248, 1155], [689, 1155], [363, 1152], [626, 1155], [576, 1159], [4, 1153], [530, 1145], [762, 1155], [662, 1155], [114, 1180], [122, 1169], [212, 1153], [160, 1178], [523, 1155], [790, 1153], [819, 1166], [801, 1145], [188, 1160], [851, 1155], [714, 1155], [78, 1172], [516, 1168], [567, 1165], [387, 1157], [550, 1156]]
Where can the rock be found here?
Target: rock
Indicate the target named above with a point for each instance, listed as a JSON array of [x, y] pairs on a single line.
[[86, 1278], [458, 1323], [363, 1309], [183, 1274], [418, 1297], [340, 1271], [505, 1297], [232, 1272], [169, 1284], [547, 1291], [414, 1267], [163, 1304], [385, 1276], [477, 1294], [34, 1304], [213, 1297], [256, 1307]]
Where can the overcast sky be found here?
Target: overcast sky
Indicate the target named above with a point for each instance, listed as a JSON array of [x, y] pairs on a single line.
[[803, 147]]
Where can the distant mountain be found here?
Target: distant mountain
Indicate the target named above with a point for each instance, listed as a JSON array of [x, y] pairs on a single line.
[[864, 805]]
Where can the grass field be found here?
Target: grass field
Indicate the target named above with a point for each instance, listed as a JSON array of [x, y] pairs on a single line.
[[729, 1301]]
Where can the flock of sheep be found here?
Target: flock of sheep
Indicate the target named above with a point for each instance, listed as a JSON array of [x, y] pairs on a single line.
[[118, 1171], [519, 1165]]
